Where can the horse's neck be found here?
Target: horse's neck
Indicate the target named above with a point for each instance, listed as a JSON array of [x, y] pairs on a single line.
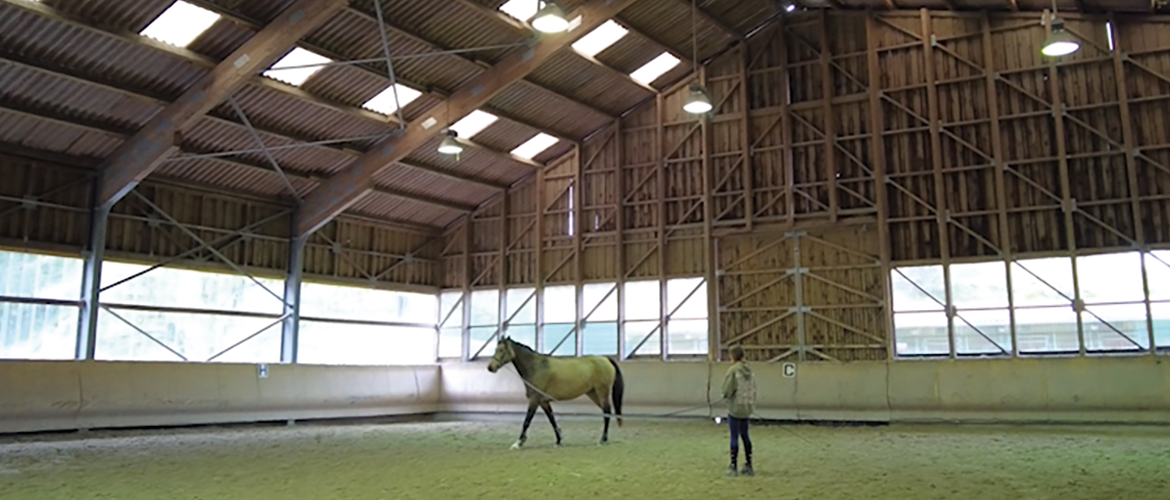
[[526, 363]]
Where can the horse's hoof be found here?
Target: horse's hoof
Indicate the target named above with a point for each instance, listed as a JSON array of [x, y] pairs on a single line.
[[516, 445]]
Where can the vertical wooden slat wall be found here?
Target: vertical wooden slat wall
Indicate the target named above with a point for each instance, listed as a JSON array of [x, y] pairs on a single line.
[[846, 143]]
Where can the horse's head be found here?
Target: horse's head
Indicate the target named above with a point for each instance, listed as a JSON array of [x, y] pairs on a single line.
[[505, 353]]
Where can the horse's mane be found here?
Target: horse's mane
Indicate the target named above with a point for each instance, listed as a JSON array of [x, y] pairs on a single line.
[[523, 348]]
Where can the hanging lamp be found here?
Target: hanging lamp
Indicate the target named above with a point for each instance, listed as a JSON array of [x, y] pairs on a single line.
[[550, 19], [450, 146], [698, 102], [1059, 42]]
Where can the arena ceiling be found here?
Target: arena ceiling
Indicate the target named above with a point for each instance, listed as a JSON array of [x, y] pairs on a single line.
[[88, 81]]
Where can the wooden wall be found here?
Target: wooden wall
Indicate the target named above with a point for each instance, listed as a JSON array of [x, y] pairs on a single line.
[[45, 206], [844, 143]]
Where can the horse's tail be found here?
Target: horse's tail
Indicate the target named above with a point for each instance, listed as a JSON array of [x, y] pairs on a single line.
[[619, 387]]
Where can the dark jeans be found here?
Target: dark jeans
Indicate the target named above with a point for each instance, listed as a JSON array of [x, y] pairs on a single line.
[[739, 429]]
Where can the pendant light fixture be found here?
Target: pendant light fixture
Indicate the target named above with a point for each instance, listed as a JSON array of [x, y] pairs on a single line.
[[697, 102], [449, 145], [1059, 42], [550, 19]]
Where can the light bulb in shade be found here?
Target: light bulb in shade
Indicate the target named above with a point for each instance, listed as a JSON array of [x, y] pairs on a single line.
[[1060, 42], [698, 102], [450, 146], [550, 19]]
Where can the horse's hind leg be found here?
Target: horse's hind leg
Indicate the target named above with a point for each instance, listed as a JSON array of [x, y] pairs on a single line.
[[527, 421], [547, 407], [602, 401]]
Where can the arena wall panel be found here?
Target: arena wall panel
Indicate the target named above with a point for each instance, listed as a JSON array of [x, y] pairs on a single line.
[[43, 396]]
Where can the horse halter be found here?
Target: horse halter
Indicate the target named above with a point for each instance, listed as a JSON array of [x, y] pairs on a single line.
[[504, 347]]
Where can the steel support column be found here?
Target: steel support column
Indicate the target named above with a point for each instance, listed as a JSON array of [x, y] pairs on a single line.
[[91, 285], [290, 331]]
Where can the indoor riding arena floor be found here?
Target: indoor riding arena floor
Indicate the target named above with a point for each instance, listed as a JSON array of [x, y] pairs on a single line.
[[645, 460]]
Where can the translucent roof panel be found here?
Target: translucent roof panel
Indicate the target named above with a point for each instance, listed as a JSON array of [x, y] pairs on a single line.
[[180, 24], [385, 103], [521, 9], [599, 39], [473, 123], [655, 68], [534, 146], [296, 59]]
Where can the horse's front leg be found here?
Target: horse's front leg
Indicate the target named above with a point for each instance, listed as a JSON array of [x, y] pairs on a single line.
[[527, 421], [547, 407]]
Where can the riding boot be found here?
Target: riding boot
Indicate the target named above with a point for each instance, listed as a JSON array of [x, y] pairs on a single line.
[[732, 470], [748, 470]]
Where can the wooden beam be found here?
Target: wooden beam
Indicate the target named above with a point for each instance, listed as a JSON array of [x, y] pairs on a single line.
[[145, 151], [1067, 202], [96, 81], [110, 131], [997, 153], [745, 143], [346, 188], [712, 20], [427, 90], [440, 47], [878, 152], [936, 158], [830, 127]]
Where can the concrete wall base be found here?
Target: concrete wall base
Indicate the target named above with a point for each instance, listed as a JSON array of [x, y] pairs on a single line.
[[38, 396]]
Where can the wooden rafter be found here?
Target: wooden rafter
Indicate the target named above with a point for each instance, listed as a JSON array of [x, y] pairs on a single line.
[[346, 188]]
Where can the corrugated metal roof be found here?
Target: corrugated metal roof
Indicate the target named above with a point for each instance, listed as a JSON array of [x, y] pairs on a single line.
[[86, 81], [569, 74], [408, 180], [376, 205]]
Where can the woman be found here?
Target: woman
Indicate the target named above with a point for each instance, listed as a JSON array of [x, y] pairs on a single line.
[[739, 389]]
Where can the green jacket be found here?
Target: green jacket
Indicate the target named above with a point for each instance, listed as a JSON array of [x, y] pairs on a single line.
[[739, 389]]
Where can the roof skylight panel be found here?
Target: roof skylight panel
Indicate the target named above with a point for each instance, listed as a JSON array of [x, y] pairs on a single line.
[[655, 68], [180, 24], [384, 102], [599, 39], [473, 123], [534, 146], [302, 64]]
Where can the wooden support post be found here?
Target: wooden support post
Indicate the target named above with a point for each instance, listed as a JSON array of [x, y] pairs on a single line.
[[578, 246], [1131, 165], [708, 238], [827, 112], [1067, 202], [620, 220], [878, 151], [786, 127], [941, 210], [467, 225], [1000, 181], [502, 268], [745, 142], [538, 257], [661, 177]]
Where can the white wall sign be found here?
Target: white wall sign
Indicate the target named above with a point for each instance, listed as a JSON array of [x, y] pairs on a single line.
[[262, 370], [789, 370]]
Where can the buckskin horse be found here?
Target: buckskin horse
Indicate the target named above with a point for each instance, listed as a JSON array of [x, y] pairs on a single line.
[[547, 379]]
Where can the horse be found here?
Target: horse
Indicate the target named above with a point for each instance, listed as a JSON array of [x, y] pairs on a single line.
[[547, 379]]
